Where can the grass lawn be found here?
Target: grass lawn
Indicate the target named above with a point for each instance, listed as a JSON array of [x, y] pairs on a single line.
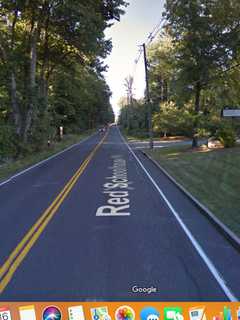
[[213, 177], [12, 167], [131, 137], [145, 138]]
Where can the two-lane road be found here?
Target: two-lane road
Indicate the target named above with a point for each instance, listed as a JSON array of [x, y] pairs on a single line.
[[99, 222]]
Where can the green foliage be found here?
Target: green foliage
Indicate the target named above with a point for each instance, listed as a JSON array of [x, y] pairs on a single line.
[[51, 64], [80, 99], [205, 40], [42, 132], [173, 120], [205, 36], [8, 142], [227, 135], [192, 71], [161, 57], [133, 118]]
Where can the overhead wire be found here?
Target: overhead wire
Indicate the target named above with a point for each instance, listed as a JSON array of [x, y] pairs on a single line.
[[152, 35]]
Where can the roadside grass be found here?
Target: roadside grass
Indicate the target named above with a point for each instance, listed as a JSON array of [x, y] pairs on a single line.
[[12, 167], [132, 138], [213, 177], [135, 136], [144, 137]]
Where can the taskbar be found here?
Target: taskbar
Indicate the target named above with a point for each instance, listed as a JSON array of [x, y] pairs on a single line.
[[119, 310]]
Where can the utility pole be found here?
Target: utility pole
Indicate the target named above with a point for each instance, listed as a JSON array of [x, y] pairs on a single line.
[[127, 112], [150, 129], [129, 89]]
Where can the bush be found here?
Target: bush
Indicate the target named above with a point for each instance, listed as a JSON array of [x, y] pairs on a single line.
[[227, 136], [172, 120], [42, 131], [8, 142]]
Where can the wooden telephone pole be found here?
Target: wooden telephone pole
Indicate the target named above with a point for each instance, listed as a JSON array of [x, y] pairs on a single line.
[[148, 100]]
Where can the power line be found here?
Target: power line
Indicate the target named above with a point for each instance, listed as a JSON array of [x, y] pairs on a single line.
[[155, 31], [143, 51], [218, 75], [152, 35], [224, 71]]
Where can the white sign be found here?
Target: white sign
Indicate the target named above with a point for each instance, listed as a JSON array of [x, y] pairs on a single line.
[[234, 113]]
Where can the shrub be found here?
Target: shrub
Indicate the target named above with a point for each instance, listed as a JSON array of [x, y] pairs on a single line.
[[42, 131], [8, 142], [173, 120], [227, 136]]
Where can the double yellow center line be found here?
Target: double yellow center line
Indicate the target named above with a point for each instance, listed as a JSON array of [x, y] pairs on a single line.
[[19, 253]]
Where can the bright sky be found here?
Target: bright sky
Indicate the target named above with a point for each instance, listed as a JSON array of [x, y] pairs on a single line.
[[139, 20]]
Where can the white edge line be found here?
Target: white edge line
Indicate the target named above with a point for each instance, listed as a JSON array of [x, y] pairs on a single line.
[[190, 236], [45, 160]]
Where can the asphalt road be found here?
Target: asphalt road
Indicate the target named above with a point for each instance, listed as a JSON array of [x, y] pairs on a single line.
[[99, 222]]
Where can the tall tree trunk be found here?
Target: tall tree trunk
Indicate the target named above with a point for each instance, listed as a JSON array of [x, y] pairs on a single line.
[[159, 82], [165, 90], [43, 90], [15, 107], [161, 88], [12, 86], [32, 84], [197, 109], [17, 116], [12, 91]]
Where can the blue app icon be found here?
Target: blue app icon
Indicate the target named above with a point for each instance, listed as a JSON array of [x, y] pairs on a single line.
[[149, 313]]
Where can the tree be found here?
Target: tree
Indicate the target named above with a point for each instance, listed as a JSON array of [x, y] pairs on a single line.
[[129, 88], [206, 41], [161, 72], [134, 117], [38, 39]]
